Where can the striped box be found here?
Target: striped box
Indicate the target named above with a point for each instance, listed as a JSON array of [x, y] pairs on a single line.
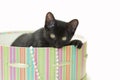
[[28, 63]]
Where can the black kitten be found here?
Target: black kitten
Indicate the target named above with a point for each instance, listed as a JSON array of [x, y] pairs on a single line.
[[54, 34]]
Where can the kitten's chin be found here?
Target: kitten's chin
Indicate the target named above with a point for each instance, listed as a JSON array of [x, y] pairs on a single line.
[[57, 46]]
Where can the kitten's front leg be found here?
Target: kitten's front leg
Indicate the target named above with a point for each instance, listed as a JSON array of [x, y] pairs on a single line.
[[76, 43]]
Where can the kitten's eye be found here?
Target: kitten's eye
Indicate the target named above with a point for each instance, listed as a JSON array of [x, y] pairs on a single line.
[[52, 36], [64, 38]]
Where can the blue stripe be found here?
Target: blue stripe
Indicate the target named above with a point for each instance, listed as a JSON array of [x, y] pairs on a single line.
[[28, 62], [32, 67], [73, 63]]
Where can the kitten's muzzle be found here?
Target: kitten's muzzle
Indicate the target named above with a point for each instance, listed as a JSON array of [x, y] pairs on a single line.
[[57, 45]]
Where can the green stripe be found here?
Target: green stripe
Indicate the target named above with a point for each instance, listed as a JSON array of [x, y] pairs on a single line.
[[6, 60], [41, 62], [79, 63], [52, 62], [64, 61], [85, 53], [18, 61]]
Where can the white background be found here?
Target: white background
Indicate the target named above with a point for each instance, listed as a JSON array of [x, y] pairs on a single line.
[[99, 23]]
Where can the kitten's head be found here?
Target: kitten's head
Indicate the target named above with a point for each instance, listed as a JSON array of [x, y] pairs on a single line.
[[59, 33]]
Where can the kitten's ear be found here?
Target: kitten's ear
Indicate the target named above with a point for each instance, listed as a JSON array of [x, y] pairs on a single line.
[[73, 25], [50, 20]]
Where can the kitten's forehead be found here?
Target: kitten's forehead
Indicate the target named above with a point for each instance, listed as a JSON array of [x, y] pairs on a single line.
[[60, 27], [61, 23], [60, 31]]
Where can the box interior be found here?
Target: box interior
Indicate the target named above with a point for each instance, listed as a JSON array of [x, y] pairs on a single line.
[[6, 38]]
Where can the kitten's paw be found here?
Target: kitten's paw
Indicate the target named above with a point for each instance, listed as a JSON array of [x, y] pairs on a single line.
[[76, 43]]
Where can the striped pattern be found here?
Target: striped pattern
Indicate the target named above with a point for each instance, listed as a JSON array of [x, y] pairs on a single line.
[[71, 63]]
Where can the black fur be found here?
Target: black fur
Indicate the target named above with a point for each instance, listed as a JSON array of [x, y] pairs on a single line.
[[41, 37]]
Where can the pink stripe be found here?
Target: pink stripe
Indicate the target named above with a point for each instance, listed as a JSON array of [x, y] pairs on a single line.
[[82, 67], [1, 54], [14, 60], [47, 64], [36, 77], [76, 64], [60, 62], [10, 63], [0, 62]]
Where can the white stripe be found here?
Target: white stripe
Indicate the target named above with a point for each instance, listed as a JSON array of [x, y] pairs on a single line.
[[19, 65], [56, 65]]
